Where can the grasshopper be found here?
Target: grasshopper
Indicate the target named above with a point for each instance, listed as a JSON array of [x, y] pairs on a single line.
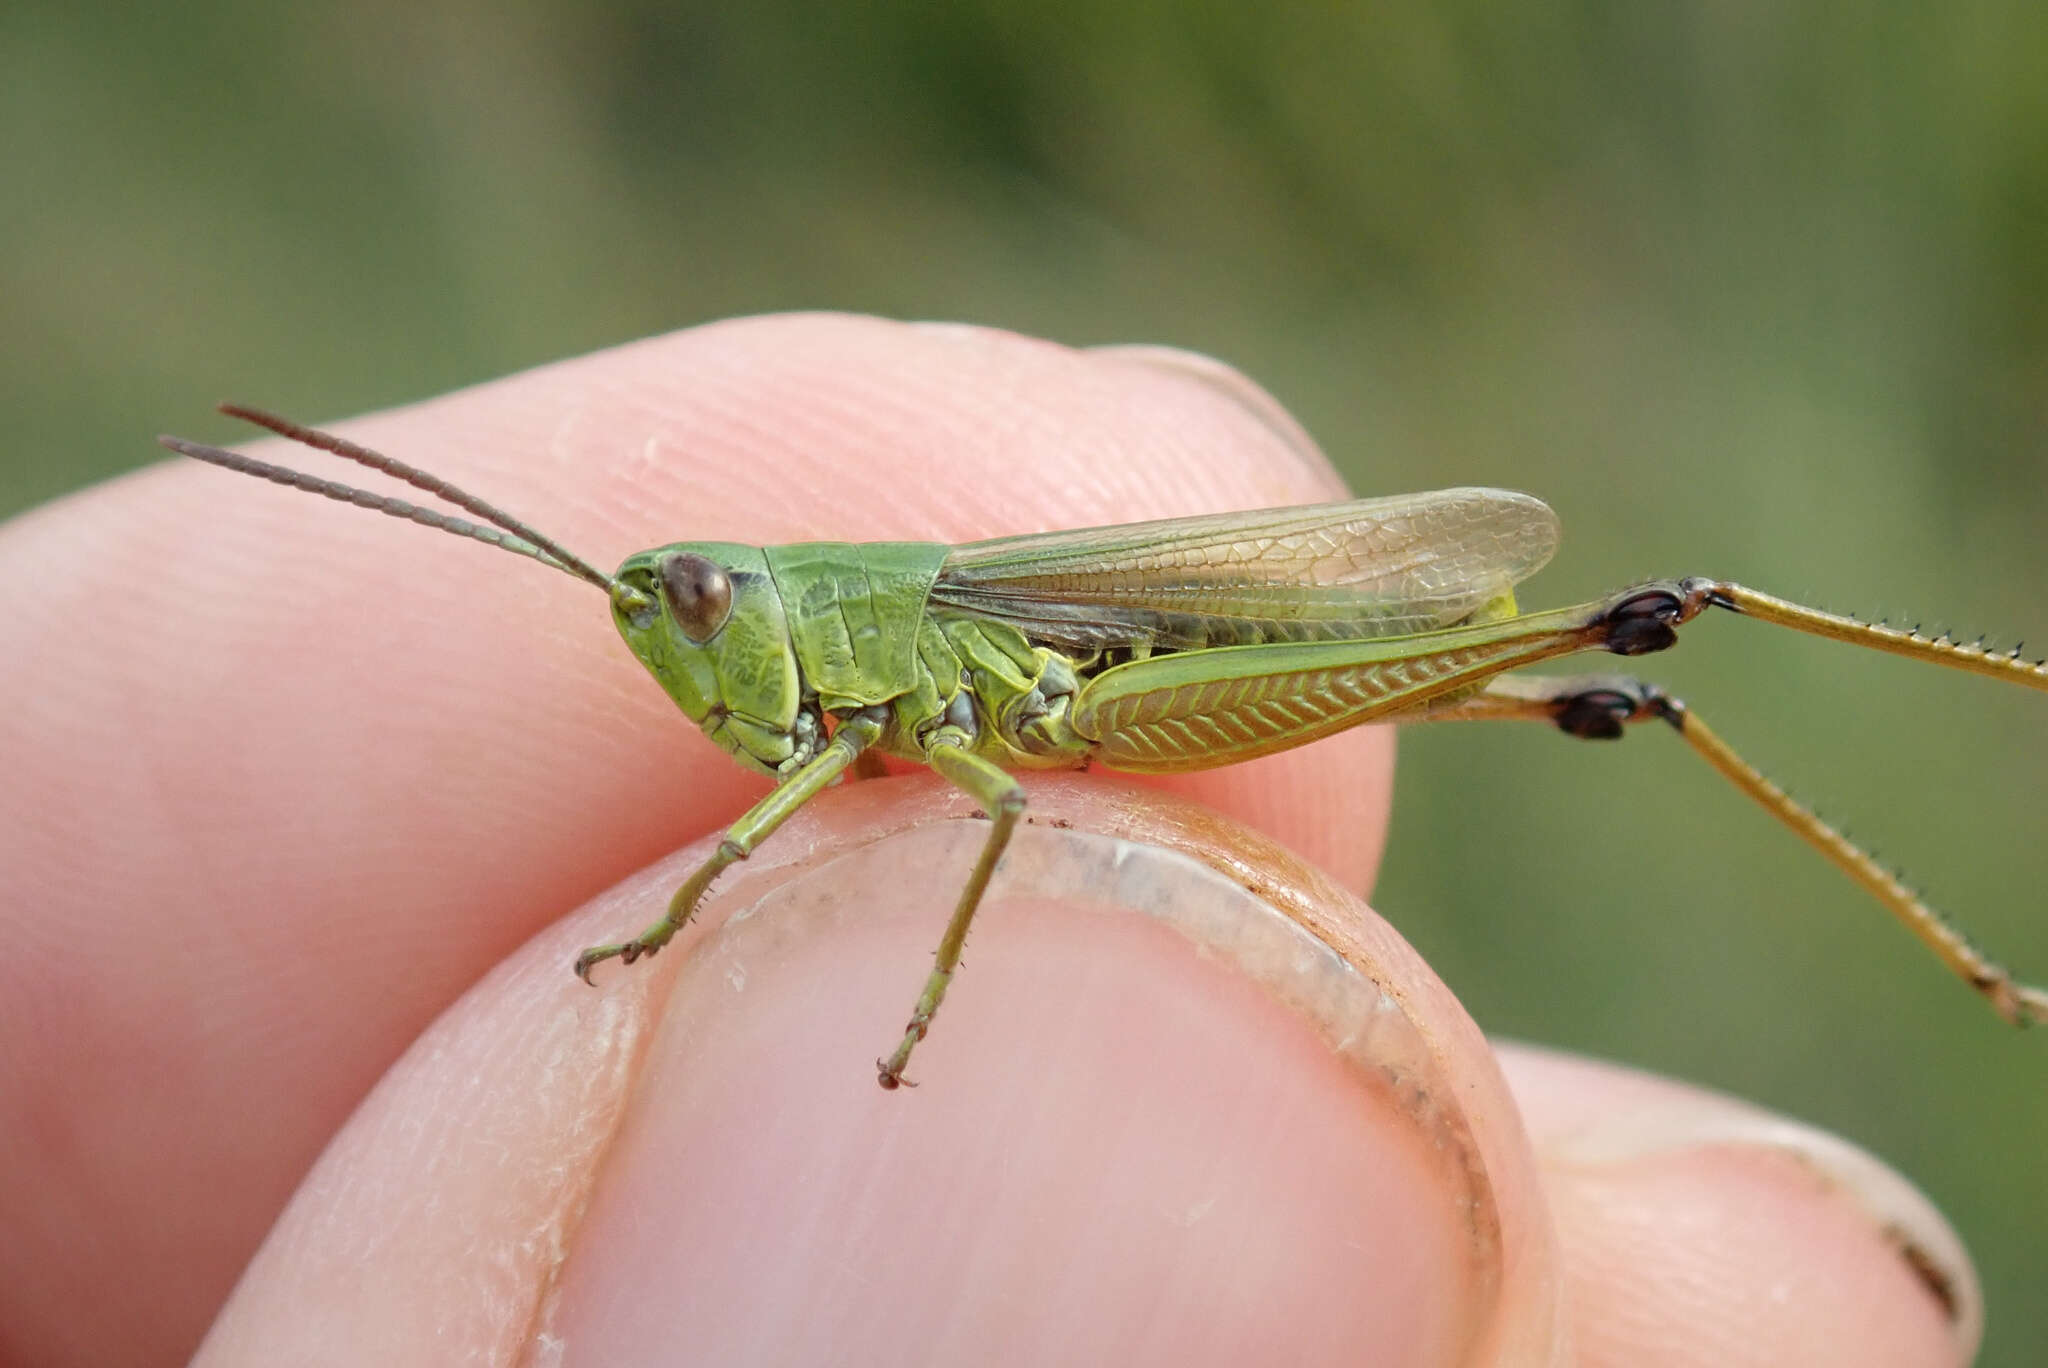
[[1160, 646]]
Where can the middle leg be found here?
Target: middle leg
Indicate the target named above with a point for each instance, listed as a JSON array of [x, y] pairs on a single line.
[[1002, 798]]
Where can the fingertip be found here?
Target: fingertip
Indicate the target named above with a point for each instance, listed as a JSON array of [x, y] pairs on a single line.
[[1698, 1228], [1156, 1118], [1239, 389], [1149, 1085], [1329, 803]]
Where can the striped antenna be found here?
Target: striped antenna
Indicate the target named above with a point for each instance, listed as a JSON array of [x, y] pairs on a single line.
[[505, 531]]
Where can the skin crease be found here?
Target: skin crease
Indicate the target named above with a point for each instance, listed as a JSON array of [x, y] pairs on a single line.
[[299, 804]]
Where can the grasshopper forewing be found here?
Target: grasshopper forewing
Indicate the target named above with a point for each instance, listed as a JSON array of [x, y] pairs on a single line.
[[1160, 646]]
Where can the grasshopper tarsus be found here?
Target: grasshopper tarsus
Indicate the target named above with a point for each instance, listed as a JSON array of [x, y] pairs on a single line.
[[598, 954], [2020, 1004]]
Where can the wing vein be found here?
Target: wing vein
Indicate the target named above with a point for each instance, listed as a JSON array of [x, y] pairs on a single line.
[[1369, 568]]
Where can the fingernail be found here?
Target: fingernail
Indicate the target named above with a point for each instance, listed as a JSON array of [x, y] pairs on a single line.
[[1227, 381], [1902, 1215]]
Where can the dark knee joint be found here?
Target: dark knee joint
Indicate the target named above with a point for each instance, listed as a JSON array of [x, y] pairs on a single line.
[[1645, 620], [1602, 710]]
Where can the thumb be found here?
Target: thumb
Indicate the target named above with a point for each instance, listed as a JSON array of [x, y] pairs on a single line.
[[1160, 1121]]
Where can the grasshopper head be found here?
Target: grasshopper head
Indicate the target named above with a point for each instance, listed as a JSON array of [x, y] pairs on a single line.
[[704, 617], [707, 622]]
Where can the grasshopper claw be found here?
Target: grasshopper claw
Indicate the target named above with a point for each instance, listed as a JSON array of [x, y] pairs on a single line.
[[2021, 1004], [642, 946], [598, 954]]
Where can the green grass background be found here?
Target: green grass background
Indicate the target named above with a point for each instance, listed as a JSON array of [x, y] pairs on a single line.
[[1746, 290]]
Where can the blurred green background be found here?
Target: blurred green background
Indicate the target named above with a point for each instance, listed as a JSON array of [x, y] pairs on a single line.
[[1746, 290]]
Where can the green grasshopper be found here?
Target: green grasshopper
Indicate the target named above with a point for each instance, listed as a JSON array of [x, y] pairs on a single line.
[[1154, 647]]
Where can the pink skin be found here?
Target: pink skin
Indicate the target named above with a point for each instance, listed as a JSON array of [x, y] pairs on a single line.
[[298, 799]]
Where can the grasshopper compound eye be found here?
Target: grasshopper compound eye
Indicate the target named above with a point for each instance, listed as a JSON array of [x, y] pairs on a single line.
[[699, 594]]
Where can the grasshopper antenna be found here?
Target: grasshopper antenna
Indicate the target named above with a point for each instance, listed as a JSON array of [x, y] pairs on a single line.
[[505, 531]]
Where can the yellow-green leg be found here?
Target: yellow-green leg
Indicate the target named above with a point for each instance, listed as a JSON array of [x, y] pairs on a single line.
[[1002, 798], [1597, 707], [854, 736]]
